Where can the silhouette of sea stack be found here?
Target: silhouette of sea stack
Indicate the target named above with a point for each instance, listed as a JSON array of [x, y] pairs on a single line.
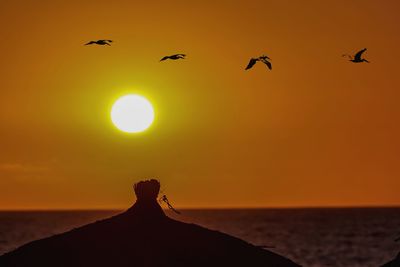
[[142, 236], [396, 261], [393, 263]]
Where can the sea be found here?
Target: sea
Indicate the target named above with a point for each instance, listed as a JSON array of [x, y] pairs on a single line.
[[313, 237]]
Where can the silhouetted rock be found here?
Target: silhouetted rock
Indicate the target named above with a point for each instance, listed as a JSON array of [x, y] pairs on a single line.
[[393, 263], [396, 261], [142, 236]]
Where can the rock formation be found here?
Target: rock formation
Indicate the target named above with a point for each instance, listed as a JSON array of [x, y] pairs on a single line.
[[142, 236]]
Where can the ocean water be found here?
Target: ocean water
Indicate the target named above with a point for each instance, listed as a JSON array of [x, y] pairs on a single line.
[[311, 237]]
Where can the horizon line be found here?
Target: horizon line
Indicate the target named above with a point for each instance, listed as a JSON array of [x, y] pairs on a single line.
[[206, 208]]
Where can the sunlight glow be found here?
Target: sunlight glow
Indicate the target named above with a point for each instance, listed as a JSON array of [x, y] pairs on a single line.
[[132, 113]]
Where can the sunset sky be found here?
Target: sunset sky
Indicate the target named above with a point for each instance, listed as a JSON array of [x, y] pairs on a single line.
[[317, 130]]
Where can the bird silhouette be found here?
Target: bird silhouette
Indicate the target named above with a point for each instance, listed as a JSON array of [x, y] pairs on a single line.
[[100, 42], [174, 57], [357, 57], [263, 59]]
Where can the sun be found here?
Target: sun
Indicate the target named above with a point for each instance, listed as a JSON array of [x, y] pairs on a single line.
[[132, 113]]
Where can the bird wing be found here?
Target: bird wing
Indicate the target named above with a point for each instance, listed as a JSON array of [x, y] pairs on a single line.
[[91, 42], [359, 53], [251, 63], [110, 41], [164, 58], [266, 62], [177, 56]]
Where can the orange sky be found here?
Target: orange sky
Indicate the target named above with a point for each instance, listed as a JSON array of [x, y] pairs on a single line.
[[317, 130]]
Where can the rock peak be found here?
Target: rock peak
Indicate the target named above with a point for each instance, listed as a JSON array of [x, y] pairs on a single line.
[[146, 207], [147, 190]]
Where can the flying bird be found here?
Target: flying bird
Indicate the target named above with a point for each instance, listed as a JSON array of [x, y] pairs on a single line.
[[263, 59], [100, 42], [174, 57], [357, 57]]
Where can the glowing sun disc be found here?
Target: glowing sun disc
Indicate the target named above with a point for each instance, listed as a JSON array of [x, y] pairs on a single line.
[[132, 113]]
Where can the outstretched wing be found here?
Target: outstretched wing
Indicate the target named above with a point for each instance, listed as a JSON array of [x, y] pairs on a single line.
[[91, 42], [180, 56], [177, 56], [359, 53], [266, 62], [251, 63], [164, 58]]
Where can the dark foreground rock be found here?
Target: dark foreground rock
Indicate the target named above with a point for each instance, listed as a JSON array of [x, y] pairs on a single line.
[[393, 263], [142, 236]]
